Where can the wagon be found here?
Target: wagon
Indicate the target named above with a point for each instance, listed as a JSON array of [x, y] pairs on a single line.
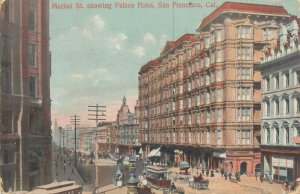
[[198, 183]]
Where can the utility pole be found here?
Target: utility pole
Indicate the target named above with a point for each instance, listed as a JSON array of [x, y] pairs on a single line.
[[75, 120], [63, 135], [99, 111], [60, 129]]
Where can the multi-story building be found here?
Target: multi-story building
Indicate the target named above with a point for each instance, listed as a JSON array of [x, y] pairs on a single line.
[[127, 130], [202, 94], [113, 137], [104, 138], [86, 140], [25, 66], [280, 146]]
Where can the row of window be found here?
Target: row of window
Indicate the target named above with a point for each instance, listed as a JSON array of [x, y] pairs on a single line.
[[243, 93], [198, 117], [6, 67], [284, 104], [242, 73], [180, 105], [203, 137], [282, 80], [243, 137], [280, 136]]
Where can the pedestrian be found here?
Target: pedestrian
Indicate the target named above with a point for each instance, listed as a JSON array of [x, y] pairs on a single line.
[[207, 172], [237, 177], [173, 187], [222, 172], [212, 173], [285, 187], [225, 175], [296, 42], [229, 175], [203, 171], [261, 178], [285, 46]]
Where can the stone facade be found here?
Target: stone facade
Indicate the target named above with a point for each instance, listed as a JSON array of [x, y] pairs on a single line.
[[280, 146], [202, 94], [127, 128], [25, 123]]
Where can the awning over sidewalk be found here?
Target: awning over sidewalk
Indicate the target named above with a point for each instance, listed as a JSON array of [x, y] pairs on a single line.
[[155, 153], [219, 154]]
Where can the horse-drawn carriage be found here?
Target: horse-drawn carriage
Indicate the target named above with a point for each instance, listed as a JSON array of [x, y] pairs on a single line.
[[184, 167], [183, 174], [198, 182]]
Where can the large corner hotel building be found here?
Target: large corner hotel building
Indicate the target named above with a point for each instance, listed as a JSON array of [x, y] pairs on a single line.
[[202, 95]]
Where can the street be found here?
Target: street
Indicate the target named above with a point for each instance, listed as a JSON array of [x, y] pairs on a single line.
[[217, 184], [63, 167]]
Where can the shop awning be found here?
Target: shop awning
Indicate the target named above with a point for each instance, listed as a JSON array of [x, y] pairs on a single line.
[[219, 154], [155, 153]]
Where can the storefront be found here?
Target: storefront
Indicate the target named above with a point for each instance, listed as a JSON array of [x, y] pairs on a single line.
[[280, 164], [282, 168]]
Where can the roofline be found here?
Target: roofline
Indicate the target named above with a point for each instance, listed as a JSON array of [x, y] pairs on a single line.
[[199, 28], [177, 44], [291, 56], [229, 10]]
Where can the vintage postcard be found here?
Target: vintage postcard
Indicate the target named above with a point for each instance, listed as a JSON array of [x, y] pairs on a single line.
[[149, 96]]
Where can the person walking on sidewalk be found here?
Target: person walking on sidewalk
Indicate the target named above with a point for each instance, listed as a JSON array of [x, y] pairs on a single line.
[[207, 172], [222, 172], [229, 175], [285, 187]]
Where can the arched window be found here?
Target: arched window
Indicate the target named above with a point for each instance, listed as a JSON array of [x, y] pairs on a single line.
[[268, 135], [276, 133], [287, 135]]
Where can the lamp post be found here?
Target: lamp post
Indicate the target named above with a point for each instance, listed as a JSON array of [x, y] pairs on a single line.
[[144, 170], [132, 181], [118, 176]]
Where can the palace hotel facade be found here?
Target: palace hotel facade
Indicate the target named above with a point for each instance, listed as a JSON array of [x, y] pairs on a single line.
[[202, 95]]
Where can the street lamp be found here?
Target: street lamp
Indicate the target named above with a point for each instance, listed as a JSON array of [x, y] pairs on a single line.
[[132, 181], [118, 175], [145, 170]]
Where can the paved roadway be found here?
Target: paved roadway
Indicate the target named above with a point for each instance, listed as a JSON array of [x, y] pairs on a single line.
[[63, 168], [217, 185]]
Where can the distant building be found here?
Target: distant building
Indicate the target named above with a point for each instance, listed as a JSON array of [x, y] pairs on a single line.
[[127, 128], [280, 130], [104, 137], [25, 104], [86, 140]]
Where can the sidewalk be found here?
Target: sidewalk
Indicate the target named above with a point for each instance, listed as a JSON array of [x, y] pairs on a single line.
[[218, 185]]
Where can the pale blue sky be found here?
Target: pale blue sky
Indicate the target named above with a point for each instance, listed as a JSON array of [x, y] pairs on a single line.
[[97, 53]]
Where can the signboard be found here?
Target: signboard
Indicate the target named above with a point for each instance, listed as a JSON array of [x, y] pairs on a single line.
[[283, 161], [296, 139], [219, 154]]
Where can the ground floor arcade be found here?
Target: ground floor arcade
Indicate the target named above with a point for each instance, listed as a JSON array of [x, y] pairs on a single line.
[[246, 161]]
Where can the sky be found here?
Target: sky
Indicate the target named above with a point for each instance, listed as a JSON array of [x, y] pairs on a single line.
[[97, 53]]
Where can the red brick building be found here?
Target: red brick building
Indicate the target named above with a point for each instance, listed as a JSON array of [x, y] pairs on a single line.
[[25, 123], [202, 94]]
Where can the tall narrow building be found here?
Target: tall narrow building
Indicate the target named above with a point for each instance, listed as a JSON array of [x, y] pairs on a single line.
[[202, 94], [25, 66]]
